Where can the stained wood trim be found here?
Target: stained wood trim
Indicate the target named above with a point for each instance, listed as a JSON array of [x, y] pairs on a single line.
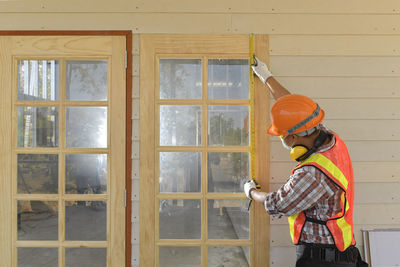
[[388, 7], [63, 33], [261, 223], [5, 152], [147, 170]]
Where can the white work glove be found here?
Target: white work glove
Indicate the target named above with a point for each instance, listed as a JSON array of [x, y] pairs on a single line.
[[250, 185], [261, 70]]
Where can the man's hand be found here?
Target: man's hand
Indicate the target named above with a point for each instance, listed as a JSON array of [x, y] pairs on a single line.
[[249, 186], [261, 70]]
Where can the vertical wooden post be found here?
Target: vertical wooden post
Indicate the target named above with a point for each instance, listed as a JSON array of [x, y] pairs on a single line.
[[147, 151], [261, 220], [5, 152]]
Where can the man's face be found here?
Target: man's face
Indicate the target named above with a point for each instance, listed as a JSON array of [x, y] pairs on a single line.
[[288, 141]]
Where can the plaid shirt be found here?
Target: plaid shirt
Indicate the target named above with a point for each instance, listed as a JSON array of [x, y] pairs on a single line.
[[311, 191]]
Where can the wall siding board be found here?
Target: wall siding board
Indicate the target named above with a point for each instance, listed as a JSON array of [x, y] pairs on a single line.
[[364, 172], [323, 24], [343, 87], [365, 151], [366, 130], [137, 22], [335, 66], [334, 45], [283, 256], [208, 23], [206, 6], [360, 109]]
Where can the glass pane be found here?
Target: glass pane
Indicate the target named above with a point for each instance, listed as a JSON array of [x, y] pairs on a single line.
[[86, 220], [38, 80], [180, 172], [37, 220], [86, 174], [37, 127], [227, 171], [229, 256], [228, 219], [180, 256], [180, 218], [87, 80], [86, 127], [228, 79], [180, 78], [35, 257], [228, 125], [85, 257], [180, 125], [37, 174]]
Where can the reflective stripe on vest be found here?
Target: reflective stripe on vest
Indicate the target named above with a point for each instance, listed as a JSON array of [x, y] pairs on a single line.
[[340, 171]]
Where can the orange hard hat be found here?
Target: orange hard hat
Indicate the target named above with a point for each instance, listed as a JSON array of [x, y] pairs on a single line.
[[293, 114]]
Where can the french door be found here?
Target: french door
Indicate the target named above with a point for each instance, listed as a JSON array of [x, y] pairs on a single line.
[[195, 127], [62, 124]]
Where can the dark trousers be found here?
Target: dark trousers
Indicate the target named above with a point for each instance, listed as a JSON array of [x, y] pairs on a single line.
[[313, 255], [321, 263]]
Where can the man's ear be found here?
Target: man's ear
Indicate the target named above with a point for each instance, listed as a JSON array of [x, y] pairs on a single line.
[[298, 140]]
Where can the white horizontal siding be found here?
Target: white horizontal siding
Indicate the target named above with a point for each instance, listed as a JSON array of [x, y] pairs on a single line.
[[364, 172], [206, 6], [360, 151], [315, 24], [205, 22], [334, 45], [335, 66], [282, 256], [343, 87]]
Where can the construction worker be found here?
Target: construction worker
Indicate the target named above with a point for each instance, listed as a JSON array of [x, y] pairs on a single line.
[[319, 194]]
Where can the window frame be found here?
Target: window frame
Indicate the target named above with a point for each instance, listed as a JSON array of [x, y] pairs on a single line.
[[153, 47]]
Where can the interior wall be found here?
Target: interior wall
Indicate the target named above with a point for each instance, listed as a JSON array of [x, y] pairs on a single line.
[[343, 54]]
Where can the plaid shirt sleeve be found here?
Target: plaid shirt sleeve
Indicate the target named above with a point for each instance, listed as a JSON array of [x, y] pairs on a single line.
[[304, 189]]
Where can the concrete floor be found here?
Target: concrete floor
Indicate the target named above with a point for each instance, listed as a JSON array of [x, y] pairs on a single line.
[[83, 222], [224, 223]]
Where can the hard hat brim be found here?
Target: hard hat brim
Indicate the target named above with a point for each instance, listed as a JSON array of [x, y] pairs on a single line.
[[274, 131]]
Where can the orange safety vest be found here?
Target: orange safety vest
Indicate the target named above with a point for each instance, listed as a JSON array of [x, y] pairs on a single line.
[[336, 164]]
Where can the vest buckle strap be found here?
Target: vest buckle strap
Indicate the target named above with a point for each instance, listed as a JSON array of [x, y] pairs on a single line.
[[308, 219]]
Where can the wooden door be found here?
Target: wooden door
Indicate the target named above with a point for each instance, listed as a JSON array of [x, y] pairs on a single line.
[[62, 150], [196, 159]]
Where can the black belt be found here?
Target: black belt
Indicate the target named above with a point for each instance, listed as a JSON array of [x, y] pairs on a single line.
[[326, 253]]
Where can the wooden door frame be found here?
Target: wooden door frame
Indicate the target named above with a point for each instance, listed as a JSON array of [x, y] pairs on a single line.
[[128, 143], [150, 46]]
